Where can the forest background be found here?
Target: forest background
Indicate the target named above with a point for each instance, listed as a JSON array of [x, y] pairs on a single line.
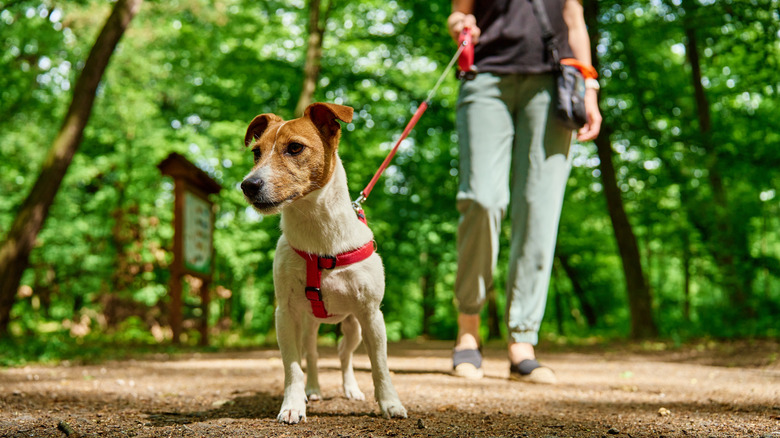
[[671, 224]]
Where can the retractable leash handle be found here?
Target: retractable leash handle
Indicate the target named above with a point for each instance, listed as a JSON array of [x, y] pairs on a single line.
[[466, 68]]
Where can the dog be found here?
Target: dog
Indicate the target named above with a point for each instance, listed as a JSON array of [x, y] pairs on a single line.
[[325, 269]]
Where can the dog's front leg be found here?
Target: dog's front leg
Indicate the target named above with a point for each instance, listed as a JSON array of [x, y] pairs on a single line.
[[373, 324], [310, 331], [347, 345], [288, 336]]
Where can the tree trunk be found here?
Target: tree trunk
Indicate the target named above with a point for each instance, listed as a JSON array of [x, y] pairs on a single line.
[[311, 69], [727, 239], [428, 288], [639, 298], [15, 252], [686, 260]]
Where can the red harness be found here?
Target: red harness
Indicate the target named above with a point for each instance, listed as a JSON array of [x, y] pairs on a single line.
[[316, 263]]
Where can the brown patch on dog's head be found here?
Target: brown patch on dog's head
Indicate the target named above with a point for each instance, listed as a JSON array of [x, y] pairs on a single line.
[[258, 126], [324, 117], [292, 158]]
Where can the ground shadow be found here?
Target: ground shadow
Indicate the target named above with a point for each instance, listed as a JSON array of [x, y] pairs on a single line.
[[258, 405], [409, 371]]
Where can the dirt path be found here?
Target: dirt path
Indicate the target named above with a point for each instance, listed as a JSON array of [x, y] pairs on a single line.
[[731, 390]]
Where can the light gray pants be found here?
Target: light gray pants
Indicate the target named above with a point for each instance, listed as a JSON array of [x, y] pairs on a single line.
[[506, 127]]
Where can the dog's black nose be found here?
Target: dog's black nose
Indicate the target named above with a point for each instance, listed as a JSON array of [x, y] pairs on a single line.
[[251, 186]]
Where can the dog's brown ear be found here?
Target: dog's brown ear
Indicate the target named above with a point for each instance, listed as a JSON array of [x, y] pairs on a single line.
[[258, 126], [324, 116]]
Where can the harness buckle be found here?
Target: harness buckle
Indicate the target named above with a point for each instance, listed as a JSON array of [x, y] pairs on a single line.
[[317, 293], [332, 262]]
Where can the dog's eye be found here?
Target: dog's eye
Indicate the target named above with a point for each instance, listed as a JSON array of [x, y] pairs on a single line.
[[294, 148], [257, 154]]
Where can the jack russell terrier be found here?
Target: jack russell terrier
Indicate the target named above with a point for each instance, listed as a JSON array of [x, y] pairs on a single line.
[[325, 267]]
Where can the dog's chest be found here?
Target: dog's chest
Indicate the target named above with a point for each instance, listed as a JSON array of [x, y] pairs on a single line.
[[344, 289]]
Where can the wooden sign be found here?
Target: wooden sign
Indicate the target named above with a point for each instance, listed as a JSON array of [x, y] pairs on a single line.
[[193, 249], [198, 231]]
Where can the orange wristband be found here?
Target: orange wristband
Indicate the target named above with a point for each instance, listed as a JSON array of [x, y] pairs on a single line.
[[587, 70]]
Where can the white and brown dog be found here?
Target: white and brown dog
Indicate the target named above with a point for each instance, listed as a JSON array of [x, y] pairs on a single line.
[[325, 267]]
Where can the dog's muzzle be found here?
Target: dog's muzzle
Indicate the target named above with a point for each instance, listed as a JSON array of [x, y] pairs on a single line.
[[255, 191], [251, 187]]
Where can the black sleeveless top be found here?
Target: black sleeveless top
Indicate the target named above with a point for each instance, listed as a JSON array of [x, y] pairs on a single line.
[[511, 39]]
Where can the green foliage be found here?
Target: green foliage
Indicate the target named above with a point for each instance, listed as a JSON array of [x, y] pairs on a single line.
[[190, 74]]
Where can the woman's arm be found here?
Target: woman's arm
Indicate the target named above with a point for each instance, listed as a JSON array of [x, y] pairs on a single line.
[[579, 41]]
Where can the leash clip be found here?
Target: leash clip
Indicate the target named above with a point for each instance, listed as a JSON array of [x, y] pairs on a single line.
[[357, 204]]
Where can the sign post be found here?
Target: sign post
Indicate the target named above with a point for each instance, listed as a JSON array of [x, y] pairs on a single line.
[[193, 249]]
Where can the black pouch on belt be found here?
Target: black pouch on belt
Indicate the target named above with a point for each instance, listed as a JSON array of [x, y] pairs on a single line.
[[570, 84]]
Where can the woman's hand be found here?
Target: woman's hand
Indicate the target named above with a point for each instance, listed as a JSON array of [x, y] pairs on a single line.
[[592, 128], [457, 21]]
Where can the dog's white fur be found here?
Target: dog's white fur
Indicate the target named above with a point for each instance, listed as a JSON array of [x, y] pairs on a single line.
[[323, 222]]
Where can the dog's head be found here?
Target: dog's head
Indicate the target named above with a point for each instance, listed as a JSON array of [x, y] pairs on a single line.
[[292, 158]]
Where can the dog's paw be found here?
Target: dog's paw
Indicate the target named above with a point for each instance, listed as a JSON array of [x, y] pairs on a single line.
[[291, 416], [393, 409], [313, 394], [353, 392]]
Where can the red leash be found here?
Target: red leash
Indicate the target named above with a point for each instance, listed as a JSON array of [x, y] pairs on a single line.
[[420, 110], [465, 57]]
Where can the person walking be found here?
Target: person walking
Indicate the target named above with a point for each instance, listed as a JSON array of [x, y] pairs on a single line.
[[511, 142]]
